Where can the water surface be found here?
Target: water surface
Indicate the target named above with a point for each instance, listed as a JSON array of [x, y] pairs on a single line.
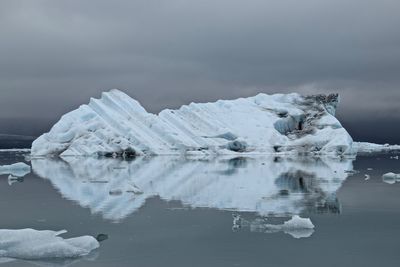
[[170, 211]]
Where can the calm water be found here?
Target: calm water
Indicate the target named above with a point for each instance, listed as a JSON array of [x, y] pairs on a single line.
[[173, 212]]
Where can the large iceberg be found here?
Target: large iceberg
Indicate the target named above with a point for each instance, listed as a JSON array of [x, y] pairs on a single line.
[[117, 125]]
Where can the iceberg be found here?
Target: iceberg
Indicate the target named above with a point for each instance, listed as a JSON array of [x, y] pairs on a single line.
[[267, 186], [30, 244], [117, 125], [19, 169]]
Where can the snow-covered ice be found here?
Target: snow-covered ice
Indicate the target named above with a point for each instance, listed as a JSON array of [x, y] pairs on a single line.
[[30, 244], [18, 169], [117, 125], [266, 185]]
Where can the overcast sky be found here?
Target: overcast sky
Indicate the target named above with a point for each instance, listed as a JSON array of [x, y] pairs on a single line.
[[54, 55]]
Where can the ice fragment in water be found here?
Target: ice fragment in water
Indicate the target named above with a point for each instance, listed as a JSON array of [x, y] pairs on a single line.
[[297, 227], [30, 244], [17, 169], [391, 178]]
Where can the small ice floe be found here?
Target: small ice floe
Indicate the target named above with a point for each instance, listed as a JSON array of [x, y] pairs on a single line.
[[297, 226], [298, 223], [366, 176], [391, 178], [17, 169], [351, 172], [367, 148], [30, 244]]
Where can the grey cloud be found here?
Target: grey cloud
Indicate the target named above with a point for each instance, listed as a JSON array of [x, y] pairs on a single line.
[[56, 54]]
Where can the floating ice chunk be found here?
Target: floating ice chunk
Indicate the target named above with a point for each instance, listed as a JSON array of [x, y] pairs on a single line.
[[117, 125], [367, 148], [30, 244], [298, 223], [391, 178], [297, 227], [17, 169]]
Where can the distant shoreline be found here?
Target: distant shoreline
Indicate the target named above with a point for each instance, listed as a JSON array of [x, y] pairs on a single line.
[[11, 141]]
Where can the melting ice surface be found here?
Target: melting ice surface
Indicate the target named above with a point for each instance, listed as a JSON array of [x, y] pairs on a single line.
[[267, 185]]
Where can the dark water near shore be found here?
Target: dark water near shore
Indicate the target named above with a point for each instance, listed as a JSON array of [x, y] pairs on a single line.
[[175, 212]]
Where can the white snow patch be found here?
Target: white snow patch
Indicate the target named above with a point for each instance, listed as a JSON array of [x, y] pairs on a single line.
[[17, 169], [33, 244], [297, 226]]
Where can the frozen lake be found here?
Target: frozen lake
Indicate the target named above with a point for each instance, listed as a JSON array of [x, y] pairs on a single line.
[[168, 211]]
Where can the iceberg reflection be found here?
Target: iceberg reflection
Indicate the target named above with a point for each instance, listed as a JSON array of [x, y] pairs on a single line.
[[297, 227], [264, 185]]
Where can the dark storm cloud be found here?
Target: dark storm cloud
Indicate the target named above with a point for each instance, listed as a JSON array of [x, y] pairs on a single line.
[[54, 55]]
